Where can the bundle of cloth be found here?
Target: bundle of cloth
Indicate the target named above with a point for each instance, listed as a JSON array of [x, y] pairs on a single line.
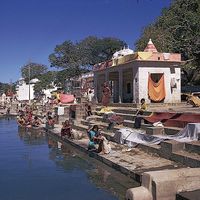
[[104, 110], [134, 136], [194, 100]]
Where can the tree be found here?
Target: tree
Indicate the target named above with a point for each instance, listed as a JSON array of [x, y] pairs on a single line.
[[176, 30], [65, 55], [5, 87], [35, 70], [46, 81], [94, 50], [85, 53], [65, 74]]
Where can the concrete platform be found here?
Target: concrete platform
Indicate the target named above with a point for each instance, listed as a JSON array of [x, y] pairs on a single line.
[[132, 163], [165, 184]]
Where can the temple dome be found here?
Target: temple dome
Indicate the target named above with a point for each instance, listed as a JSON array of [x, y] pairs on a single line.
[[123, 52], [150, 47]]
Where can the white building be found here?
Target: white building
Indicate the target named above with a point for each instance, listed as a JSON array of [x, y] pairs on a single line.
[[24, 90], [148, 74]]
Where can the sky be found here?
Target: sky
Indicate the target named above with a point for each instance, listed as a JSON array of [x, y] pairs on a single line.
[[30, 29]]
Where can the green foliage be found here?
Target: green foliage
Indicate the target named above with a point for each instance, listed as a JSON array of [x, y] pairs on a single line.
[[65, 55], [63, 75], [35, 70], [176, 30], [84, 54], [4, 87], [94, 50], [46, 81]]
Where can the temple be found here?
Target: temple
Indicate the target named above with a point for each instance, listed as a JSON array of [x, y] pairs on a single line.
[[145, 74]]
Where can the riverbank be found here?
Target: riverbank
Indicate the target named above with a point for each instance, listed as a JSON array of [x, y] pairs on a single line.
[[138, 164], [145, 163]]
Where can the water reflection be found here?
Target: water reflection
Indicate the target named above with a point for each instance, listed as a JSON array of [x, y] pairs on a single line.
[[32, 136], [69, 158], [29, 169]]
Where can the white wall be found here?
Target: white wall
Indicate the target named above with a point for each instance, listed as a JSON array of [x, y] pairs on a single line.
[[23, 92], [47, 92], [172, 95]]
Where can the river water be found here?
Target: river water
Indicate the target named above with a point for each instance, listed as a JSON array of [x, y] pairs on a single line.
[[33, 166]]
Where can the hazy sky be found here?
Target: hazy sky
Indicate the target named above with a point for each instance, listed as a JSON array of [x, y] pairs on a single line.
[[30, 29]]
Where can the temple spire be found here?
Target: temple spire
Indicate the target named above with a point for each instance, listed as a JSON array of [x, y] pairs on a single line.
[[150, 47]]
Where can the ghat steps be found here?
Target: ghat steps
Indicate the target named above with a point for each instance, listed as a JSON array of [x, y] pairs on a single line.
[[185, 153]]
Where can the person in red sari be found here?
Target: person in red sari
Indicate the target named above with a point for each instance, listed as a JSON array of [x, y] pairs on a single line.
[[66, 129], [106, 94]]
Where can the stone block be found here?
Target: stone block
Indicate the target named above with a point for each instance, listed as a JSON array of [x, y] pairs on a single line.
[[172, 131], [165, 184], [138, 193], [193, 147], [155, 130], [168, 147]]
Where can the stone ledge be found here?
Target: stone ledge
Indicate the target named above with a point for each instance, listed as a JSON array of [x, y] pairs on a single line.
[[165, 184]]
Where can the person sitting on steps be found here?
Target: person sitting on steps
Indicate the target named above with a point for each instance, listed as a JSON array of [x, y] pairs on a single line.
[[36, 122], [50, 123], [140, 112], [95, 138], [66, 129]]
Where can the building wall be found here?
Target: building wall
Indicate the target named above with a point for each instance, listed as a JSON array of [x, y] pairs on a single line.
[[173, 95], [23, 92], [136, 73]]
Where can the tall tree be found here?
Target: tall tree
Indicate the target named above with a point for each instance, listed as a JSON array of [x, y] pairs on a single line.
[[176, 30], [83, 54], [32, 70], [94, 50]]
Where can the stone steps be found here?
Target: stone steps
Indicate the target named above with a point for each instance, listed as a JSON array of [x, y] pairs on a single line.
[[130, 123], [186, 158], [126, 111], [137, 105], [185, 153], [102, 125], [148, 127], [193, 147], [126, 116], [174, 151], [171, 150]]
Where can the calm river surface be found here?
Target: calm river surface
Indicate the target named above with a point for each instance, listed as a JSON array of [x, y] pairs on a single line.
[[33, 167]]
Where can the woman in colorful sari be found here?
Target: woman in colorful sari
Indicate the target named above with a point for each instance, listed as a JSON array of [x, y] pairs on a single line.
[[106, 95], [95, 139]]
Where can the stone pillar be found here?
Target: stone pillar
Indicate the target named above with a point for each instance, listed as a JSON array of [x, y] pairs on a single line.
[[80, 112], [120, 85], [134, 86]]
